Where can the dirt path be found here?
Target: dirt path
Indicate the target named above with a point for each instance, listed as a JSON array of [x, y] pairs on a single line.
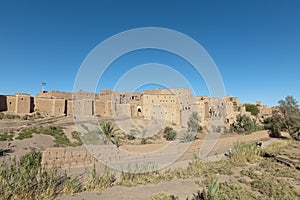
[[178, 187]]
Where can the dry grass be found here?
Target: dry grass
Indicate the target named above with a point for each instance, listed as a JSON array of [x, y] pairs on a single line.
[[246, 152]]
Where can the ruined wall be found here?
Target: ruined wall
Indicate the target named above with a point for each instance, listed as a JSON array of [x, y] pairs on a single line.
[[54, 95], [264, 112], [67, 157]]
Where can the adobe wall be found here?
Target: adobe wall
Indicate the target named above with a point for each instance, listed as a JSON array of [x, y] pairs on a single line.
[[264, 112], [167, 102], [106, 95], [23, 103], [81, 107], [43, 105], [67, 95], [84, 95], [59, 107], [103, 108], [50, 106], [69, 107], [11, 104]]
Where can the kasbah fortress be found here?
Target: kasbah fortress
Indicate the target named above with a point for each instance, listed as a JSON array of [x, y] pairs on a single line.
[[174, 105], [177, 104]]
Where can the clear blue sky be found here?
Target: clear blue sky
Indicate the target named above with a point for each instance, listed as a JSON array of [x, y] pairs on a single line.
[[255, 44]]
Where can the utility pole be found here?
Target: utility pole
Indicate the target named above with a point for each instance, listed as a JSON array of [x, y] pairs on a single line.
[[43, 86]]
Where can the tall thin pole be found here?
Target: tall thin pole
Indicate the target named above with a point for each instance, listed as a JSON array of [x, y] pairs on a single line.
[[43, 86]]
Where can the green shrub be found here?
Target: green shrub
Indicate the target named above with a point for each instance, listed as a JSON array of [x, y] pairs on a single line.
[[60, 138], [169, 133], [188, 137], [211, 193]]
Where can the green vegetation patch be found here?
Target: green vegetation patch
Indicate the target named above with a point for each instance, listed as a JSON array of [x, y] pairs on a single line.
[[6, 137], [76, 136], [60, 138], [27, 133]]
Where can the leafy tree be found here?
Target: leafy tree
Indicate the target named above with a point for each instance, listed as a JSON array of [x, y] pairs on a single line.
[[169, 133], [243, 124], [193, 123], [253, 109], [289, 109], [274, 124]]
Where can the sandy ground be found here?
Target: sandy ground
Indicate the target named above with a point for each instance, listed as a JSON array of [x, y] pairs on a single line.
[[21, 147]]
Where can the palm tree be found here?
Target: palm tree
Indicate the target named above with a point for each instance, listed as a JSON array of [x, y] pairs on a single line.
[[109, 131]]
